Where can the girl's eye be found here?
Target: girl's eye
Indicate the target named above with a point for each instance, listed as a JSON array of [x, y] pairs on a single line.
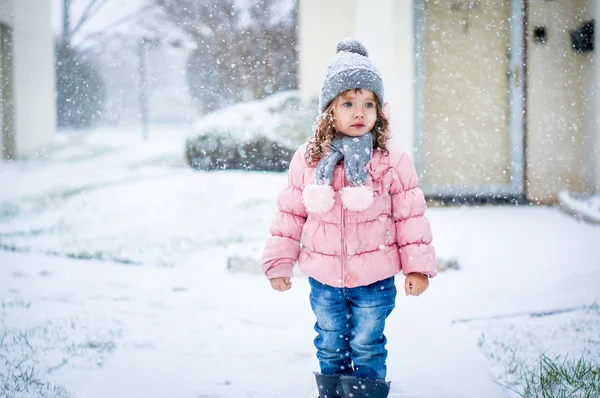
[[347, 104], [369, 104]]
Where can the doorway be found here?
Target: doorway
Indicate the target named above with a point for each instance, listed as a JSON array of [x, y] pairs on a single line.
[[470, 97]]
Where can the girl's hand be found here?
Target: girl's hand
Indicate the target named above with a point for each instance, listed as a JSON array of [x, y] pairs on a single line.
[[281, 284], [415, 283]]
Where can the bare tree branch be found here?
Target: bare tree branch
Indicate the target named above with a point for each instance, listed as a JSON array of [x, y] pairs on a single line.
[[241, 52], [133, 15], [87, 14]]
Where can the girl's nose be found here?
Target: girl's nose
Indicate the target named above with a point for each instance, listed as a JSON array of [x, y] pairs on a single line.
[[359, 115]]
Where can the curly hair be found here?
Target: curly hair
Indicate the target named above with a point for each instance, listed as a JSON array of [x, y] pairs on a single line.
[[324, 132]]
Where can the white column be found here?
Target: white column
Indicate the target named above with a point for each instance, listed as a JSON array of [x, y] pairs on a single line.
[[386, 29], [403, 110], [322, 24], [33, 69]]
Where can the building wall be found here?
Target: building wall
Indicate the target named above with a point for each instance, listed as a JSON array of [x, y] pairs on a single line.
[[33, 76], [465, 139], [563, 109], [557, 100], [590, 179]]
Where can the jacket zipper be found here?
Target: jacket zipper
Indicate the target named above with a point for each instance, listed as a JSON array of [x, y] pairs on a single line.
[[343, 236]]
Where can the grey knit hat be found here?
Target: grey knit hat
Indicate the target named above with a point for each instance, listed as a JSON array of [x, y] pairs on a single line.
[[350, 68]]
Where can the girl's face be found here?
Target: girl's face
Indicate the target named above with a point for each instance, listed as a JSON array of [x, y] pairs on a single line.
[[355, 112]]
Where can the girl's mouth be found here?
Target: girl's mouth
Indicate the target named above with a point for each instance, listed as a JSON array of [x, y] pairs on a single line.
[[358, 125]]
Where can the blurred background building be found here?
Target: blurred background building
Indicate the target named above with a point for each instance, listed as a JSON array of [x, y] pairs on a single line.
[[493, 97]]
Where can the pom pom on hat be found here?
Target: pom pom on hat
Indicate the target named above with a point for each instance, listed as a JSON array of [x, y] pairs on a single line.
[[352, 45]]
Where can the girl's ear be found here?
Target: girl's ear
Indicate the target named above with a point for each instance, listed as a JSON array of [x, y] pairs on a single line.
[[386, 110]]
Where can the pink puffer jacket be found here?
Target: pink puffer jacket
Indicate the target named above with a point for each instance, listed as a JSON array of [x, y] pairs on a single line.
[[343, 248]]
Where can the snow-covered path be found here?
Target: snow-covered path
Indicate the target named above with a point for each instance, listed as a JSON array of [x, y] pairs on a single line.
[[173, 322], [200, 331], [189, 334]]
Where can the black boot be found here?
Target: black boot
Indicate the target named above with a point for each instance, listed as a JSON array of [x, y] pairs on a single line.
[[329, 386], [364, 388]]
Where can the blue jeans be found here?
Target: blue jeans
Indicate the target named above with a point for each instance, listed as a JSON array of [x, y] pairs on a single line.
[[350, 323]]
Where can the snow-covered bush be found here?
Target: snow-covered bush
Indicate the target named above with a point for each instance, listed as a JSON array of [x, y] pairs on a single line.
[[215, 151], [256, 135]]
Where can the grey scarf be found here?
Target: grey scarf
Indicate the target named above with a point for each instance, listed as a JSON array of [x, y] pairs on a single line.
[[356, 152]]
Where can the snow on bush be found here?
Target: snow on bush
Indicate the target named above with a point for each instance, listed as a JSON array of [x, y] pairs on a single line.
[[256, 135]]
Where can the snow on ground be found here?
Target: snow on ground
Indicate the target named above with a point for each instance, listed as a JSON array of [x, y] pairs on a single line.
[[114, 283]]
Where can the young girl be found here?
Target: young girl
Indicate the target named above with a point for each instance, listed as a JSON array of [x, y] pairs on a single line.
[[352, 216]]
